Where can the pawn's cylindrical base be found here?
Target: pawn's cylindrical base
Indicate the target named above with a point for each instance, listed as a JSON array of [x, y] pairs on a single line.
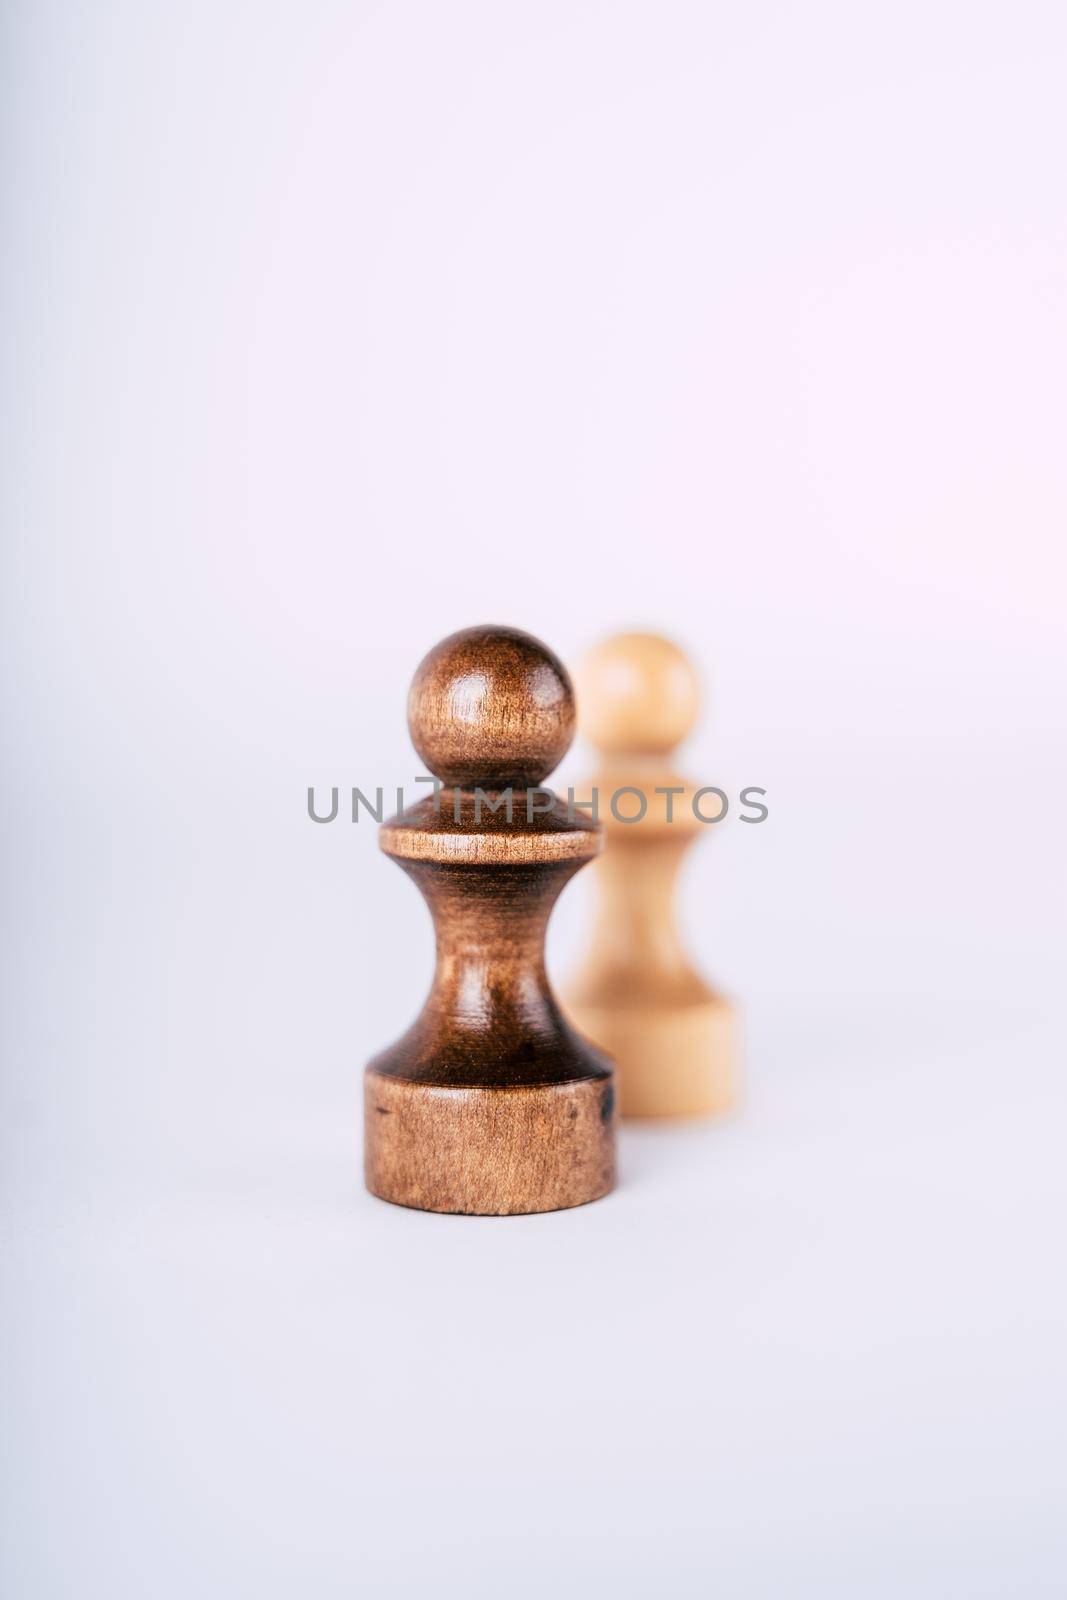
[[488, 1151], [676, 1060]]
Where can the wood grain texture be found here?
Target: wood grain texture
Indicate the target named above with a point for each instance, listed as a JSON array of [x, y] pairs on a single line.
[[489, 1151], [637, 994], [491, 706], [491, 1103]]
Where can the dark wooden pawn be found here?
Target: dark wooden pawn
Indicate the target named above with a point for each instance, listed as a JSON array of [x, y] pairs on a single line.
[[491, 1103]]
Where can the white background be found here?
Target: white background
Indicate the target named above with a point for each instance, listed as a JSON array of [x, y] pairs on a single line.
[[330, 329]]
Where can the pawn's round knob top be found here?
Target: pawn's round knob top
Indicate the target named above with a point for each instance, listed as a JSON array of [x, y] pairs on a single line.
[[639, 695], [491, 707]]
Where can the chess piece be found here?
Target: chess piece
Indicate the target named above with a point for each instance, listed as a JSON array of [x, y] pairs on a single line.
[[637, 995], [491, 1103]]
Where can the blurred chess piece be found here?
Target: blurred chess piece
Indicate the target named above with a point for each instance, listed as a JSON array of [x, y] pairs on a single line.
[[637, 995]]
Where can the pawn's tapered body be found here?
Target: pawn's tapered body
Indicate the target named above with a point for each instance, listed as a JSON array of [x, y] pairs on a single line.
[[491, 1103]]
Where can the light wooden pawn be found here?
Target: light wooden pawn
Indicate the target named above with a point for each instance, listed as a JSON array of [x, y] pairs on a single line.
[[637, 995]]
